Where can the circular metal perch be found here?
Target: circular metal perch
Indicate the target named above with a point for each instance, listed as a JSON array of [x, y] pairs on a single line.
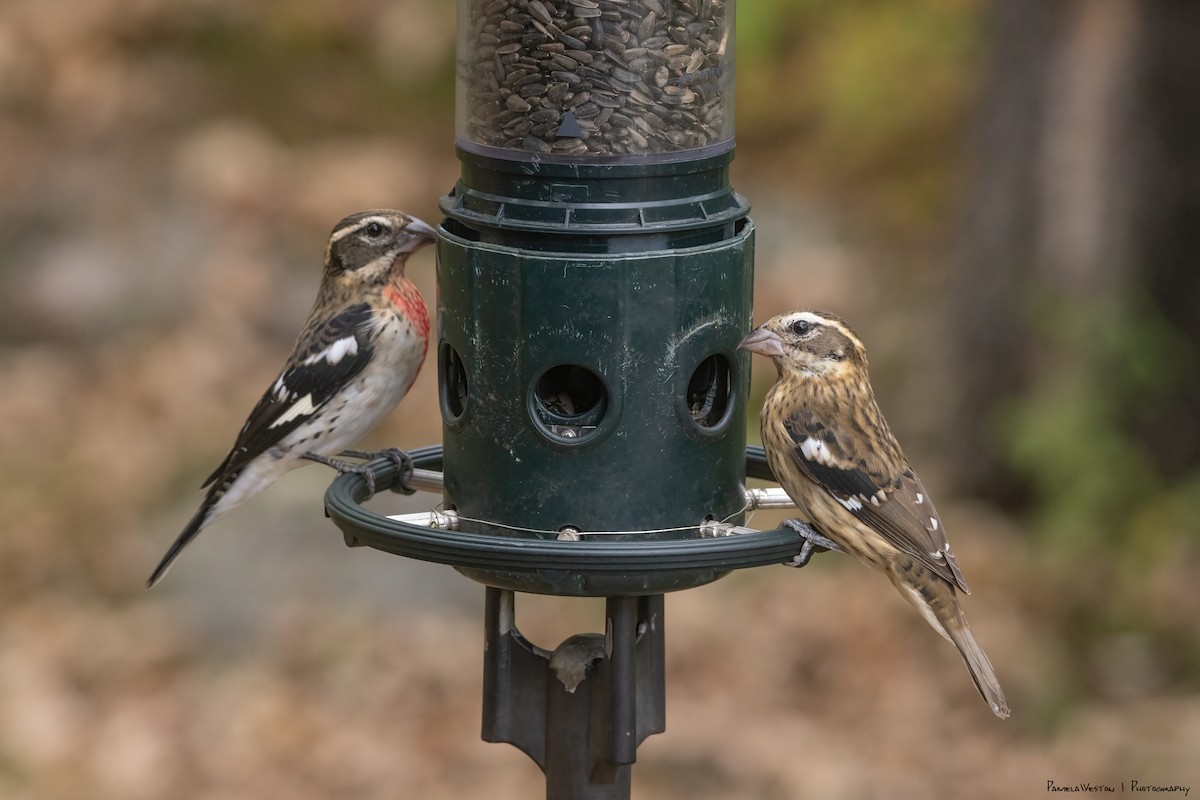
[[633, 564]]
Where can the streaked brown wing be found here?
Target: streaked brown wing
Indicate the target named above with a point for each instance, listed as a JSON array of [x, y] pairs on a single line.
[[892, 502]]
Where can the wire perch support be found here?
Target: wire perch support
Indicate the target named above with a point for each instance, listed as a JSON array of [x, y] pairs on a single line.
[[528, 563]]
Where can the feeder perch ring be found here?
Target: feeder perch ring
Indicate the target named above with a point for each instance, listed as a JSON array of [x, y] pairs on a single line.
[[585, 568]]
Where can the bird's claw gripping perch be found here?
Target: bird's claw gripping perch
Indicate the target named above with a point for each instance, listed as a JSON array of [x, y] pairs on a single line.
[[345, 467], [812, 540], [402, 460]]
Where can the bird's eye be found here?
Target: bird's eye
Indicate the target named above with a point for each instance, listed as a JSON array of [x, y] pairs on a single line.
[[801, 326], [375, 230]]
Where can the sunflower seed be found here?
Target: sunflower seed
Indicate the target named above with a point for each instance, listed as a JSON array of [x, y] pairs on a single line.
[[515, 103], [535, 8]]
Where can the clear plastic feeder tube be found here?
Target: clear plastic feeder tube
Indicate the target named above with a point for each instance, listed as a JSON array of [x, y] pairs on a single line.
[[601, 80]]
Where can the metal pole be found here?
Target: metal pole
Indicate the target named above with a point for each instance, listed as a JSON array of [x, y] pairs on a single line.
[[581, 711]]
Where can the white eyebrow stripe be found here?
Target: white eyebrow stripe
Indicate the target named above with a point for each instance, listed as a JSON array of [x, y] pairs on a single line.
[[362, 223], [817, 319]]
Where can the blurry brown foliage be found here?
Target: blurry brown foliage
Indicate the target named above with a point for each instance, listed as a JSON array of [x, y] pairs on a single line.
[[170, 170]]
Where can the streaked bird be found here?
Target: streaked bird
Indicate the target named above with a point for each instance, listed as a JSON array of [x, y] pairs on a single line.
[[356, 357], [832, 451]]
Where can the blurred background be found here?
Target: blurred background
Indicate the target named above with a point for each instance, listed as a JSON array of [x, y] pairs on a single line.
[[1003, 198]]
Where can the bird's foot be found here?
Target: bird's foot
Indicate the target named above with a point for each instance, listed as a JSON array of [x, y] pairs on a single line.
[[344, 467], [812, 541], [402, 460]]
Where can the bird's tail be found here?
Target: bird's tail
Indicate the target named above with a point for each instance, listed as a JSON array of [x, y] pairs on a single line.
[[181, 541], [935, 599], [979, 665], [208, 512]]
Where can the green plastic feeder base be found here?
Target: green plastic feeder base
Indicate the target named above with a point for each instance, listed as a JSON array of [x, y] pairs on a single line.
[[588, 321]]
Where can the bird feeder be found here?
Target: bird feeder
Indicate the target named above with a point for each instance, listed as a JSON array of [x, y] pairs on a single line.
[[595, 275]]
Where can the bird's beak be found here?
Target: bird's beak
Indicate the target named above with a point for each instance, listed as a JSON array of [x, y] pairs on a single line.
[[421, 233], [762, 340]]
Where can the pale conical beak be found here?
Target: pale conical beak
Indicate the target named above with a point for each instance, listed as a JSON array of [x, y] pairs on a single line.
[[421, 233], [763, 341]]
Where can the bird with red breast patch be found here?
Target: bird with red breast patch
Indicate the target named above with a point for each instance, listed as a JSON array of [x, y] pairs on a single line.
[[356, 357], [832, 451]]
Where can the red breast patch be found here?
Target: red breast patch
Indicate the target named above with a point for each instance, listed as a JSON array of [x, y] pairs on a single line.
[[407, 300]]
